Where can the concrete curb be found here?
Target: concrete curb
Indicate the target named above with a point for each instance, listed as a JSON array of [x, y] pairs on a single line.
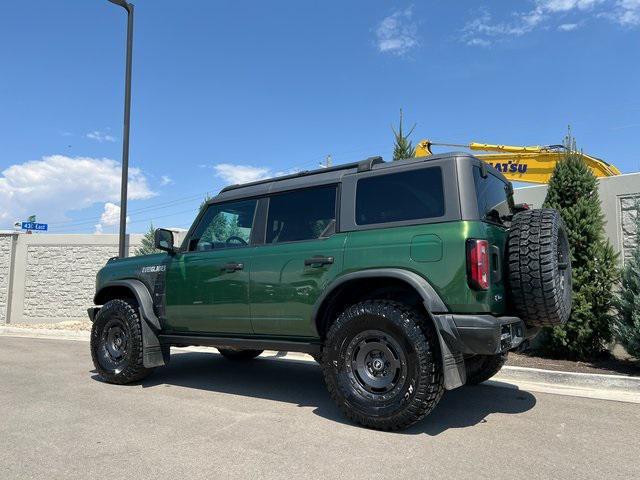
[[585, 380], [587, 385], [53, 334]]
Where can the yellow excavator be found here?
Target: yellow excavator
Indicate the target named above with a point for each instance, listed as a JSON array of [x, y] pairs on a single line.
[[532, 164]]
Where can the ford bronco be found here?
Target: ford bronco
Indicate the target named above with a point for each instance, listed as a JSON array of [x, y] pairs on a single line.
[[402, 279]]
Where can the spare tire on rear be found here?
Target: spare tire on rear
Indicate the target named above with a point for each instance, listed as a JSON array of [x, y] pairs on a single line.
[[539, 268]]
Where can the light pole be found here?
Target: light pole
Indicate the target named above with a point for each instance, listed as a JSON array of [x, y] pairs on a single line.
[[125, 135]]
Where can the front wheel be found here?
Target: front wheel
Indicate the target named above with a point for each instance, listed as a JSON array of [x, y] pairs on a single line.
[[116, 343], [380, 365]]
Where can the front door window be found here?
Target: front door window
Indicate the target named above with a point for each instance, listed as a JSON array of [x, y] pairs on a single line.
[[224, 226]]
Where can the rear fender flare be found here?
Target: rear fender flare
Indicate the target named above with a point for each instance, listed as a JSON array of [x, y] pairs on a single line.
[[431, 299], [438, 312]]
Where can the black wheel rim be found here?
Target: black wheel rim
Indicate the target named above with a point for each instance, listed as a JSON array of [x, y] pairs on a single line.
[[114, 345], [376, 364]]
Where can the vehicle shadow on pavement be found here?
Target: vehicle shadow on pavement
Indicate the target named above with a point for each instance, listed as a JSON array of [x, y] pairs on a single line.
[[468, 406], [301, 383]]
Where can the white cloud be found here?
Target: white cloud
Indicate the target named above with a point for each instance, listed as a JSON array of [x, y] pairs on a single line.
[[625, 13], [483, 30], [566, 5], [165, 180], [111, 214], [478, 42], [100, 136], [57, 184], [397, 33], [236, 174], [240, 173], [110, 217]]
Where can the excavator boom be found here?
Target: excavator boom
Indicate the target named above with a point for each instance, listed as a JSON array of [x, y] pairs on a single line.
[[532, 164]]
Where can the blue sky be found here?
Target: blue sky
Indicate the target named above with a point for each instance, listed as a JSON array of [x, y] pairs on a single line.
[[236, 90]]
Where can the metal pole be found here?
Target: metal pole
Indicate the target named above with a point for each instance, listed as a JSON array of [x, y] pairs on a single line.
[[122, 251]]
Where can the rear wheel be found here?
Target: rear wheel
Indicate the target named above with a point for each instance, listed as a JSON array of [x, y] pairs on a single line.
[[116, 343], [481, 368], [380, 365], [239, 355]]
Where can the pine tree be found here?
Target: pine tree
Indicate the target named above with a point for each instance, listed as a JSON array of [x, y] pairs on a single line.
[[402, 147], [627, 326], [147, 246], [573, 191]]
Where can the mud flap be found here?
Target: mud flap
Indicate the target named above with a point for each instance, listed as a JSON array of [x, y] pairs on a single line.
[[153, 353], [453, 369]]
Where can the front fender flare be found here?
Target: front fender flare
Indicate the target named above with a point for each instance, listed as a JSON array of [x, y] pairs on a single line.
[[152, 350], [142, 295]]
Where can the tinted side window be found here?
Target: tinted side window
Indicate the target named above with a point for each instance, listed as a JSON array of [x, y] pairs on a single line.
[[301, 214], [495, 200], [223, 226], [396, 197]]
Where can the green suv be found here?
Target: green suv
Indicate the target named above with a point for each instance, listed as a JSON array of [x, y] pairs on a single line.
[[402, 279]]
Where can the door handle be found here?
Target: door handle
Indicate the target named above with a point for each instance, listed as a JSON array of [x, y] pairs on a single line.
[[318, 261], [232, 267]]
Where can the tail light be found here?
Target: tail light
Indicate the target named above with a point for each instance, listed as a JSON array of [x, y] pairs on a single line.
[[478, 264]]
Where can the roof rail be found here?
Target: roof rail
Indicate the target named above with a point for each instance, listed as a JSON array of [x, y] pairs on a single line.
[[361, 166], [366, 165]]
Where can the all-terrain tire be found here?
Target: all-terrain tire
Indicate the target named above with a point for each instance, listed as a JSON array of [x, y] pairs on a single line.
[[481, 368], [539, 268], [239, 355], [116, 343], [381, 365]]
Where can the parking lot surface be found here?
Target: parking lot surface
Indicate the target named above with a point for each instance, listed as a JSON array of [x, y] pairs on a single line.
[[206, 417]]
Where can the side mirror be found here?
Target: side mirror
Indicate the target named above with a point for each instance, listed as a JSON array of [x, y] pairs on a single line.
[[163, 240]]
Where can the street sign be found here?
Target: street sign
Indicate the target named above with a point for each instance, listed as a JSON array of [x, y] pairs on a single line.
[[41, 227]]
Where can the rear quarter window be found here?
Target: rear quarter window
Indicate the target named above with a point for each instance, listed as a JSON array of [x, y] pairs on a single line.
[[398, 197], [494, 196]]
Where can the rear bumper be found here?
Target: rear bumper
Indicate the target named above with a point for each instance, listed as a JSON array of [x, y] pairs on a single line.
[[482, 334], [489, 335], [461, 335]]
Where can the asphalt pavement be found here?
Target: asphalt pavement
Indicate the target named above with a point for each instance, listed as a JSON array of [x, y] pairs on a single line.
[[206, 417]]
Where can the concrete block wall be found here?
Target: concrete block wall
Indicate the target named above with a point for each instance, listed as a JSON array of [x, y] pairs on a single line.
[[50, 278], [618, 197], [6, 247], [630, 215]]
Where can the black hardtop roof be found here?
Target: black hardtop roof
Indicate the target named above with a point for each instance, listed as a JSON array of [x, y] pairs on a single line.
[[327, 175]]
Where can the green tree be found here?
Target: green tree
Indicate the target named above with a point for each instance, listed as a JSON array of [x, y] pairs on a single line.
[[402, 147], [573, 191], [147, 246], [627, 325]]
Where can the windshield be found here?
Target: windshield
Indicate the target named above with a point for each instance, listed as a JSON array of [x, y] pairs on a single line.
[[495, 197]]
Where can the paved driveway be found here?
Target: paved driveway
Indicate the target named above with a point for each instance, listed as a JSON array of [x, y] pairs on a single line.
[[204, 417]]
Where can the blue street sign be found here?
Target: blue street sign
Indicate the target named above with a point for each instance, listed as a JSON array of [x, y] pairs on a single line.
[[43, 227]]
